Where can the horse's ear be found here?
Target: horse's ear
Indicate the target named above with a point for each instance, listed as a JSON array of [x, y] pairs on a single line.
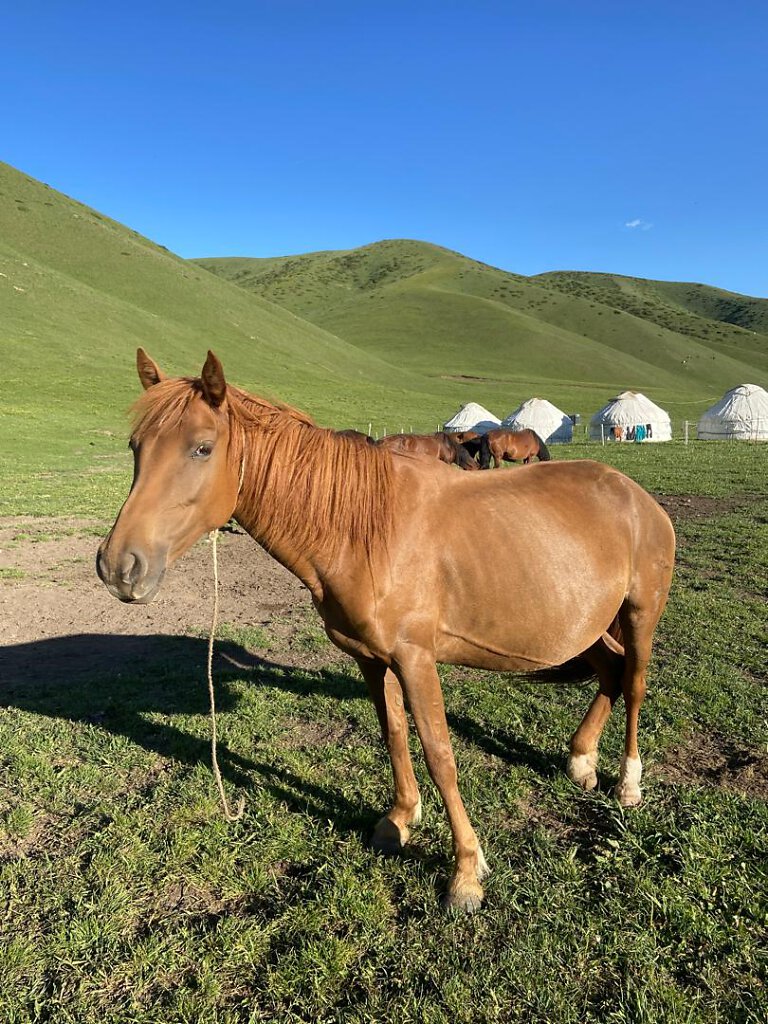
[[149, 372], [212, 379]]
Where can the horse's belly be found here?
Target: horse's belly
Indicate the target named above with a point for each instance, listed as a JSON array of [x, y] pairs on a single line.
[[535, 607], [508, 650]]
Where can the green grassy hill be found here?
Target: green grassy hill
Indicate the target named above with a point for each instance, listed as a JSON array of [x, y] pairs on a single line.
[[571, 337], [398, 334], [79, 292], [725, 320]]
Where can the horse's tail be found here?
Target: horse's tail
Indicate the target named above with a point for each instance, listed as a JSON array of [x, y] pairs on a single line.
[[544, 455], [485, 452]]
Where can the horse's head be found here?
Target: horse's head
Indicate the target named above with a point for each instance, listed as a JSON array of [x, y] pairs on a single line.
[[184, 480]]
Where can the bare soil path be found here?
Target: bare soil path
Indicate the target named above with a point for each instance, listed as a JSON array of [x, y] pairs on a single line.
[[49, 591]]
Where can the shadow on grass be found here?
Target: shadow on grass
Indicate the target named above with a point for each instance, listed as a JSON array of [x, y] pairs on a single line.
[[123, 683]]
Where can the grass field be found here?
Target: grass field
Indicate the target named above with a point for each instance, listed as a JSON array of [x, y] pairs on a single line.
[[127, 898]]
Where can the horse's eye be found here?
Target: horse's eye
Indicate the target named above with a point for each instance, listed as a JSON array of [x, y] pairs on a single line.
[[202, 451]]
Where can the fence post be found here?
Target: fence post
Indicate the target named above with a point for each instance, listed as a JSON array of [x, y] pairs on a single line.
[[602, 432], [685, 427]]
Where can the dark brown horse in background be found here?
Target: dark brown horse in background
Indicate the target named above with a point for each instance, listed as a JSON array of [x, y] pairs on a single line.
[[438, 446], [511, 445], [469, 440], [582, 564]]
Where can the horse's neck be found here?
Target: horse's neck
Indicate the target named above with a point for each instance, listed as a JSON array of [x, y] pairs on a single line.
[[310, 554], [304, 566]]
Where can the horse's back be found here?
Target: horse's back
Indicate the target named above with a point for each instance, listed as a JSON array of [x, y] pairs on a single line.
[[527, 568], [572, 492]]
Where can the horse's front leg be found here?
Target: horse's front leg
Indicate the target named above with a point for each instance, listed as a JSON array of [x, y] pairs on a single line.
[[416, 670], [392, 831]]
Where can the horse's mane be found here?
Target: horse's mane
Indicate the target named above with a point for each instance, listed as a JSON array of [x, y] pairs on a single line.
[[302, 485]]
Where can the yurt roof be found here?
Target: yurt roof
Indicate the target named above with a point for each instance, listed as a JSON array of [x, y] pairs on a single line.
[[546, 419], [538, 408], [630, 407], [743, 400], [742, 412], [472, 416]]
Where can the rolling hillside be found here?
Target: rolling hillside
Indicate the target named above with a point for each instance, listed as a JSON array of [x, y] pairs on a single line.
[[573, 337], [397, 333], [79, 292]]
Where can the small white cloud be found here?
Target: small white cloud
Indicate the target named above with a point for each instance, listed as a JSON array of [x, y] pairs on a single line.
[[643, 225]]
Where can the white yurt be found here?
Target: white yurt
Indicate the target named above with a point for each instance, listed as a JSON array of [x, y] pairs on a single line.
[[472, 417], [740, 415], [627, 412], [552, 425]]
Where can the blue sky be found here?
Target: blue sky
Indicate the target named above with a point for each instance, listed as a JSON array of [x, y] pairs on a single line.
[[623, 137]]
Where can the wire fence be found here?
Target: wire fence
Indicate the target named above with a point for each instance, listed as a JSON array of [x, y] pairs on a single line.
[[681, 430]]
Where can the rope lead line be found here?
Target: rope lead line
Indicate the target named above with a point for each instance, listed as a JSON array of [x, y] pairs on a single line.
[[228, 814]]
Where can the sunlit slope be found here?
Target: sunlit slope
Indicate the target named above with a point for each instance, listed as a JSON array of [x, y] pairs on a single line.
[[79, 292], [731, 323], [440, 313]]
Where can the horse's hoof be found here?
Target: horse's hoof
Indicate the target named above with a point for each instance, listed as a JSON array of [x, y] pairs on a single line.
[[582, 770], [388, 838], [628, 797], [465, 899]]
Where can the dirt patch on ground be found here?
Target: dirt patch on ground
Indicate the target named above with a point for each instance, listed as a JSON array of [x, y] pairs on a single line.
[[692, 506], [710, 759], [466, 377], [49, 591], [300, 734]]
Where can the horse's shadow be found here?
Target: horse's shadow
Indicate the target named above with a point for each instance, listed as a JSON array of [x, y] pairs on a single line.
[[132, 686]]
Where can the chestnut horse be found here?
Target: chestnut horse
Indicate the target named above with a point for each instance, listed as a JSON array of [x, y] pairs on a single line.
[[382, 544], [438, 446], [511, 445]]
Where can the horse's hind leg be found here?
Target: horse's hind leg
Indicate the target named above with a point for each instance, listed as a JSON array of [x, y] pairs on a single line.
[[608, 663], [392, 831], [637, 626]]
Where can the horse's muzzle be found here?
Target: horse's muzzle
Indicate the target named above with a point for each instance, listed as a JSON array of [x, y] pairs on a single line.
[[129, 577]]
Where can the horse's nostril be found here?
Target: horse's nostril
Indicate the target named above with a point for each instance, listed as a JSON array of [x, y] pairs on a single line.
[[133, 568]]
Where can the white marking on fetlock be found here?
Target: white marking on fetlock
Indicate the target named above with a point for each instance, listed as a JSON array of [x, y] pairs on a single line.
[[482, 865], [416, 816], [581, 769], [628, 787]]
